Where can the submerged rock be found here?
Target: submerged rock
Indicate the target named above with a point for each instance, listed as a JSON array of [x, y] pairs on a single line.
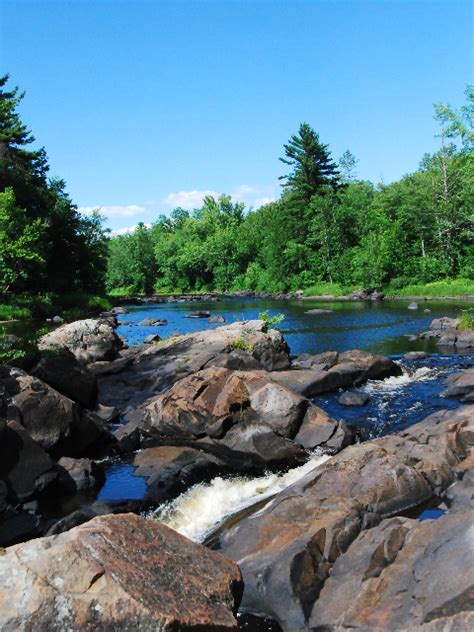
[[117, 572], [89, 340], [319, 311], [200, 314], [152, 322], [354, 399], [217, 318], [413, 305]]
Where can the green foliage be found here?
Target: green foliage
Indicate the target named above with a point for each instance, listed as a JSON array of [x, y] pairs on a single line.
[[21, 243], [276, 319], [46, 245], [313, 168], [240, 343], [14, 312], [445, 287], [467, 319]]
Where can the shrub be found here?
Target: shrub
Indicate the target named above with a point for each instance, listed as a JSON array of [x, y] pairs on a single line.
[[276, 319]]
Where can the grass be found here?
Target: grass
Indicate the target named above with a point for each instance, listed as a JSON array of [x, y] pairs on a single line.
[[14, 312], [445, 287], [466, 319]]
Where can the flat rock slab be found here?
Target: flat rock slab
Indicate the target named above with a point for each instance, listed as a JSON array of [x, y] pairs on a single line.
[[331, 371], [144, 372], [288, 550], [117, 573]]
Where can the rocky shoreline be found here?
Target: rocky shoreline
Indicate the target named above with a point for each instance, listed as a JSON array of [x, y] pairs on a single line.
[[225, 401]]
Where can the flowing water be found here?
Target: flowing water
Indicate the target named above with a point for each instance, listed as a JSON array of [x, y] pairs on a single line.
[[395, 403], [198, 511]]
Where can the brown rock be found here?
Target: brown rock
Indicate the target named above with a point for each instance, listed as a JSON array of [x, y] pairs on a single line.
[[66, 375], [286, 551], [117, 572], [145, 372], [400, 575], [460, 385], [326, 373], [242, 416], [56, 423]]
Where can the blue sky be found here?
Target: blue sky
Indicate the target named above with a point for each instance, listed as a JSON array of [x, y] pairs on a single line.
[[144, 105]]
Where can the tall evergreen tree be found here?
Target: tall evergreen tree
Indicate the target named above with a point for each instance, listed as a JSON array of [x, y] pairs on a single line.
[[313, 168]]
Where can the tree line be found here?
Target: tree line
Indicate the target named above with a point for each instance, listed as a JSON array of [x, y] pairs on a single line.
[[327, 225]]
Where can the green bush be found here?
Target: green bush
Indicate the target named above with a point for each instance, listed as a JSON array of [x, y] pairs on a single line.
[[467, 319], [276, 319], [14, 312]]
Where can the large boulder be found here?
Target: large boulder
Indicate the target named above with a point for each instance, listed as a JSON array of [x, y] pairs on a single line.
[[143, 372], [288, 549], [56, 423], [331, 371], [68, 376], [89, 340], [247, 419], [26, 473], [117, 572], [400, 575], [460, 385], [25, 468]]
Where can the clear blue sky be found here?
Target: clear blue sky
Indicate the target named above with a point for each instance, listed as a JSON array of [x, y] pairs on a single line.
[[142, 105]]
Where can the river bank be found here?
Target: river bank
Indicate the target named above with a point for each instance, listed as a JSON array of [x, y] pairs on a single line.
[[208, 413]]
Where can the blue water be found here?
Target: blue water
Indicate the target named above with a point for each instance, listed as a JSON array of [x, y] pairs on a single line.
[[381, 327], [396, 403], [121, 484]]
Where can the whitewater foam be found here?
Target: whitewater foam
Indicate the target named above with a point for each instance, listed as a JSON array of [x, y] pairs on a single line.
[[198, 511], [398, 381]]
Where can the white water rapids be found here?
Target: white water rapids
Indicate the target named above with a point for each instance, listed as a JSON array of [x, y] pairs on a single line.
[[201, 509]]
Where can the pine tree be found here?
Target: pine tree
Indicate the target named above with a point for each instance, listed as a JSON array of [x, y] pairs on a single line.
[[313, 168]]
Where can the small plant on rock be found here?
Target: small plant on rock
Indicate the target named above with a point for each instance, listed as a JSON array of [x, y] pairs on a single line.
[[239, 343], [276, 319]]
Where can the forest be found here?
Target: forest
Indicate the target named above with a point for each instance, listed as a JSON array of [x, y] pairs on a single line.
[[328, 228]]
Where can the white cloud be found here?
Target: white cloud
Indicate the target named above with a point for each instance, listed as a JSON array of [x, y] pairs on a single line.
[[126, 230], [187, 199], [250, 195], [130, 210], [262, 201]]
